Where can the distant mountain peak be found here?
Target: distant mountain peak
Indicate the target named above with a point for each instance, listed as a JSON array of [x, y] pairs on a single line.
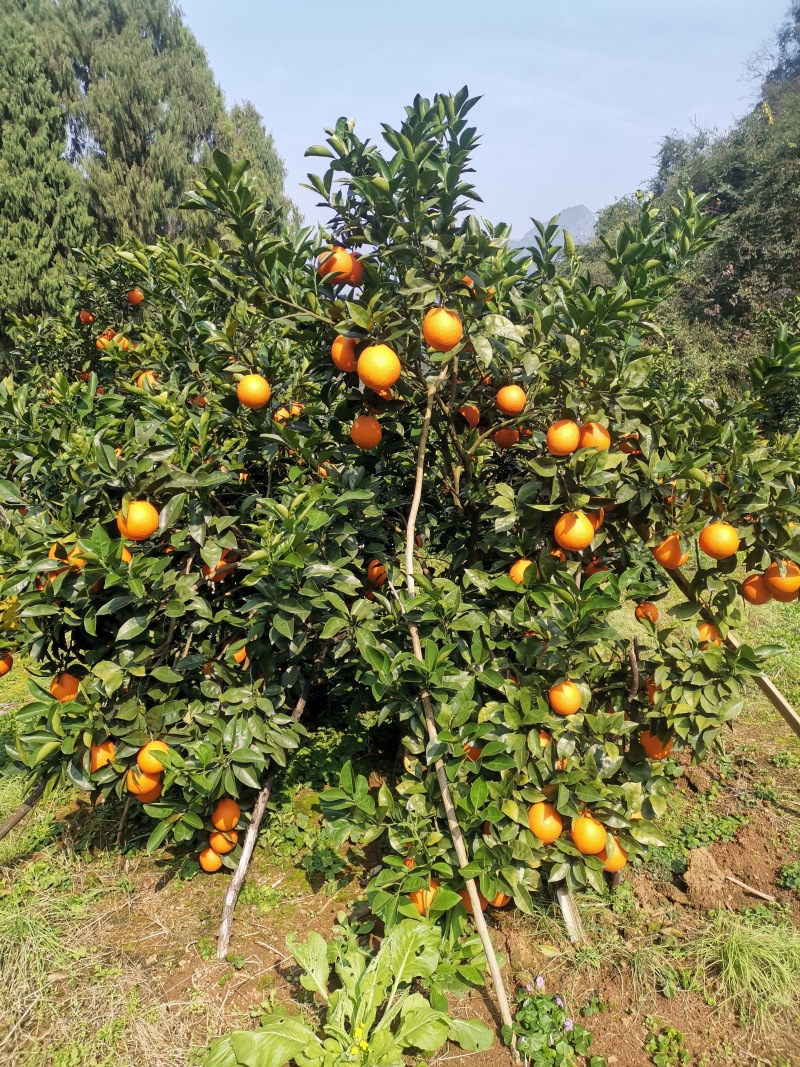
[[577, 220]]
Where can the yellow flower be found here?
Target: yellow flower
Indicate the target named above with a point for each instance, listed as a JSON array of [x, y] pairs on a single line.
[[359, 1032], [364, 1046], [354, 1050]]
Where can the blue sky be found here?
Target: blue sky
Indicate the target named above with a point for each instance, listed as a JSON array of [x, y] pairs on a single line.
[[576, 93]]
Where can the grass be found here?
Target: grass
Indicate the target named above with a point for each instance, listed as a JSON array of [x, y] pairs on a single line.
[[756, 966]]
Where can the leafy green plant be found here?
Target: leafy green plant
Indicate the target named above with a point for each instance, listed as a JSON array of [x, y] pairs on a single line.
[[665, 1045], [786, 759], [788, 876], [369, 1013], [546, 1034]]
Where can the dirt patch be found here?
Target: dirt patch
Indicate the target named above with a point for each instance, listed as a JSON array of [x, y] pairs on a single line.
[[705, 880]]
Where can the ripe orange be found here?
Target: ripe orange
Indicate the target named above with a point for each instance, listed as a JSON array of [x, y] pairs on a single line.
[[209, 860], [423, 898], [545, 822], [505, 438], [646, 610], [588, 835], [146, 759], [64, 687], [147, 378], [253, 391], [86, 318], [565, 698], [788, 582], [101, 754], [343, 353], [223, 842], [137, 782], [558, 555], [617, 858], [102, 342], [594, 567], [574, 532], [366, 432], [499, 900], [594, 435], [217, 574], [719, 540], [135, 297], [708, 633], [786, 597], [755, 589], [472, 414], [376, 572], [464, 894], [650, 689], [563, 437], [628, 445], [226, 815], [654, 747], [472, 752], [356, 275], [282, 415], [6, 663], [517, 570], [378, 367], [669, 553], [336, 264], [151, 794], [511, 400], [442, 329], [409, 862], [141, 521], [596, 517], [74, 558], [240, 655]]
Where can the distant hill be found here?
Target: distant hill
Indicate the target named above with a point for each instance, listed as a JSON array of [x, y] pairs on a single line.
[[578, 220]]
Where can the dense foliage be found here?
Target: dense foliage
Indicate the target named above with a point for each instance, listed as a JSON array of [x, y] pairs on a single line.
[[276, 540]]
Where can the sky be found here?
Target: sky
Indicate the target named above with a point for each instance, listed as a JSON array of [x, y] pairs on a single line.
[[576, 93]]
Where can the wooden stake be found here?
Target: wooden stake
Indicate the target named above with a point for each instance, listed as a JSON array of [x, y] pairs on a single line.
[[239, 875], [25, 807], [430, 723]]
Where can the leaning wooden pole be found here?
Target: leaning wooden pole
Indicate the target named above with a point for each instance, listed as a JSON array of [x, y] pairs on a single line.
[[764, 683], [430, 720], [25, 807], [260, 807]]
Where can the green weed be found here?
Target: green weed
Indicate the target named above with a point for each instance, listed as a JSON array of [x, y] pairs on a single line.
[[756, 967], [665, 1045]]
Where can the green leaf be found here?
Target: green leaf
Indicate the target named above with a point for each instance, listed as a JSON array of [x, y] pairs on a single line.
[[471, 1034], [276, 1042], [312, 955], [412, 950], [421, 1026]]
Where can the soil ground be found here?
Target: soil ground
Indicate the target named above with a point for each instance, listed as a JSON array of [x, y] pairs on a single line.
[[114, 957]]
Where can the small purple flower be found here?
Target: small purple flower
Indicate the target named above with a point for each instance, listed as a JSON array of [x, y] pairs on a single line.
[[568, 1025], [539, 982], [528, 987], [560, 1002]]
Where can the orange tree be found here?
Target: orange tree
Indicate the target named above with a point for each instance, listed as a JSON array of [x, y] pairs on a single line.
[[448, 478]]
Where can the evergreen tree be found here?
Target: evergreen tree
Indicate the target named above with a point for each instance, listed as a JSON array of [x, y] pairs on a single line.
[[143, 104], [42, 200]]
